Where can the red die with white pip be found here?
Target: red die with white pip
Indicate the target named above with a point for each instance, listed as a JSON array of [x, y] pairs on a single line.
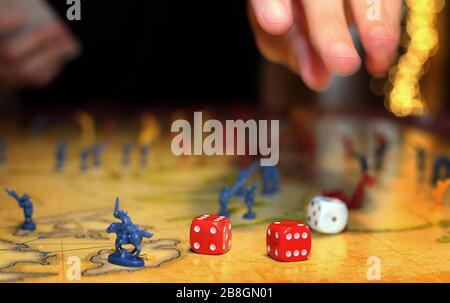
[[210, 235], [288, 241]]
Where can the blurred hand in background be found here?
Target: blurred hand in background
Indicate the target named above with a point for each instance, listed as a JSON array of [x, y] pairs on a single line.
[[312, 38], [32, 57]]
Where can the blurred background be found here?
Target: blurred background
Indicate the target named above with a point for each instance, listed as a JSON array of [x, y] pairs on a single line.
[[141, 54]]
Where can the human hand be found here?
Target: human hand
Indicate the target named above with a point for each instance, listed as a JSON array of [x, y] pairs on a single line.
[[34, 57], [312, 39]]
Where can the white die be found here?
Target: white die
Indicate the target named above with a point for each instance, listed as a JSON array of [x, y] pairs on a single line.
[[327, 215]]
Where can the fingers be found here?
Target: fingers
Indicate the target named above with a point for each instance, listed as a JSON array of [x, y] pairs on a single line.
[[379, 29], [293, 50], [328, 30], [309, 64], [33, 58], [10, 21], [19, 47], [274, 16]]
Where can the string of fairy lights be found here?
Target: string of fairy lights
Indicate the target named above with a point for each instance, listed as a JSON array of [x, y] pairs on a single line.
[[404, 96]]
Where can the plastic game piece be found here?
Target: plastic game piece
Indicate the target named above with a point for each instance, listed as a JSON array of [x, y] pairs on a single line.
[[224, 199], [420, 157], [244, 175], [27, 205], [97, 152], [355, 201], [358, 195], [84, 156], [380, 150], [144, 152], [439, 191], [60, 155], [250, 201], [210, 235], [126, 233], [3, 150], [126, 154], [288, 241], [441, 169], [271, 180], [327, 215]]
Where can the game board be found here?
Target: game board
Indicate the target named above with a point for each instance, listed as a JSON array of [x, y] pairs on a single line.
[[400, 223]]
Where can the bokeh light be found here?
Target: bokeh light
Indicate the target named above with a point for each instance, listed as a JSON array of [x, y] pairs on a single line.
[[403, 94]]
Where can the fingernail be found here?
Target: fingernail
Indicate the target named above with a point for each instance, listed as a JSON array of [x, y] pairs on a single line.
[[381, 41], [276, 11], [343, 50]]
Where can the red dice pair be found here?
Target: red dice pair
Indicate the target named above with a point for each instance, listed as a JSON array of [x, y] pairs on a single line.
[[210, 235], [288, 241]]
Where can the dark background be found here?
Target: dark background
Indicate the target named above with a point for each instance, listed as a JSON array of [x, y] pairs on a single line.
[[169, 53], [147, 52]]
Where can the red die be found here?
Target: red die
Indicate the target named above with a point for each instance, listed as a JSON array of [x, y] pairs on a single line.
[[288, 241], [210, 235]]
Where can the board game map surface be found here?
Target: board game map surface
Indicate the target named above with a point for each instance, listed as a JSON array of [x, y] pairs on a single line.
[[399, 223]]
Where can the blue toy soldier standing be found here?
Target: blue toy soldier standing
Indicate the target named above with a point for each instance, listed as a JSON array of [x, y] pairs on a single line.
[[97, 153], [271, 180], [144, 151], [126, 233], [84, 156], [441, 169], [61, 155], [126, 154], [250, 201], [27, 205]]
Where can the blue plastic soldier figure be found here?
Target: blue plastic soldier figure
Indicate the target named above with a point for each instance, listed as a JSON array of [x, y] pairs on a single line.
[[441, 169], [126, 233], [84, 159], [243, 176], [271, 180], [224, 199], [61, 155], [97, 153], [250, 201], [144, 151], [126, 153], [421, 157], [3, 149], [27, 205]]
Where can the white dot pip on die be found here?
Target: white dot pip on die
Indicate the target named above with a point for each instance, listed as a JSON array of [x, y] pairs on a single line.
[[304, 252], [197, 229], [268, 248], [296, 236], [296, 253], [288, 254], [276, 252], [196, 245], [212, 247], [305, 235], [276, 235], [288, 237], [213, 230], [268, 231]]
